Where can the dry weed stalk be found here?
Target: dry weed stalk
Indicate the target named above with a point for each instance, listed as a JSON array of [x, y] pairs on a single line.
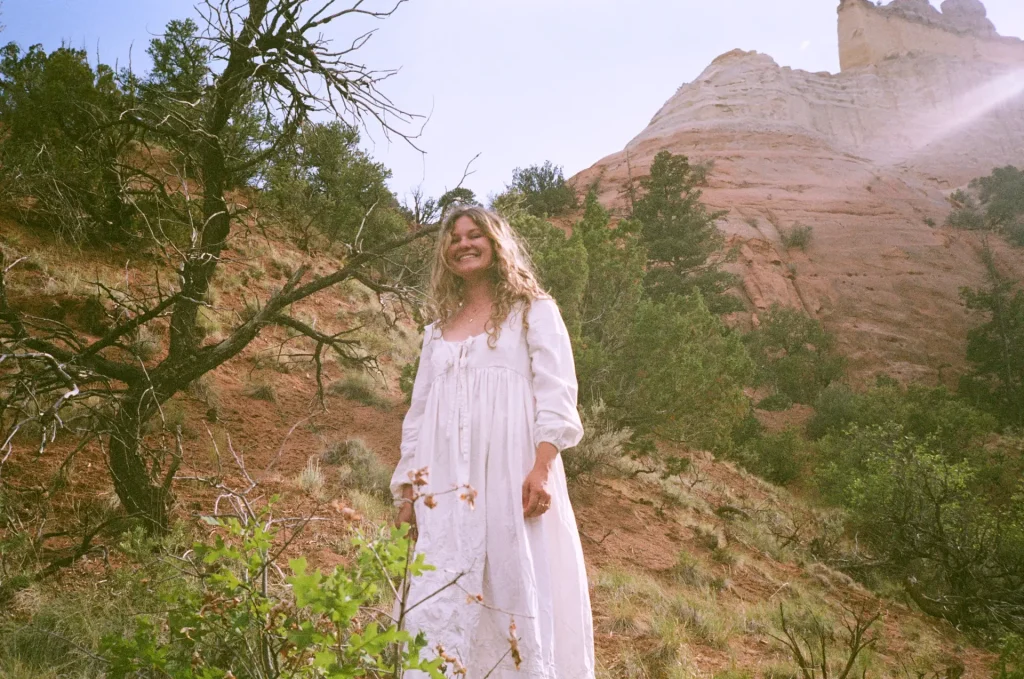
[[810, 648]]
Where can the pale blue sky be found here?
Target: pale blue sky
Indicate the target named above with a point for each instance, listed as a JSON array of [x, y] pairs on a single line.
[[519, 81]]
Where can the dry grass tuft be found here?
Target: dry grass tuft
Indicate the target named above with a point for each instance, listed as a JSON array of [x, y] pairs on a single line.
[[311, 478], [361, 469], [261, 390], [362, 388]]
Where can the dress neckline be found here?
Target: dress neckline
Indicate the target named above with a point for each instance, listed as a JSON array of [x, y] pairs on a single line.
[[464, 340]]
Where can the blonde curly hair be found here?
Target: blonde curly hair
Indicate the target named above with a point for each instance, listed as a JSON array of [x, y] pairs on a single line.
[[512, 271]]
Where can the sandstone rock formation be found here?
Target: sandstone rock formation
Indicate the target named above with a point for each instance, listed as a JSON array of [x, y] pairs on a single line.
[[869, 35], [865, 157]]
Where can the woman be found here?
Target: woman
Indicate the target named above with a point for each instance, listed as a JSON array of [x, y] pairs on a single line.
[[493, 405]]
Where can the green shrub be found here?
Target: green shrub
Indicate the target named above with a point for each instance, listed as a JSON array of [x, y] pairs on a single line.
[[778, 458], [326, 184], [312, 624], [602, 446], [1014, 233], [747, 429], [1002, 194], [969, 218], [681, 375], [797, 237], [60, 157], [924, 412], [932, 521], [551, 250], [794, 354], [995, 202], [408, 377], [666, 367], [836, 407], [49, 630]]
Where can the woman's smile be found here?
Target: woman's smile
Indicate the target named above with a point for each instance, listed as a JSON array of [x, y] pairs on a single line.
[[471, 251]]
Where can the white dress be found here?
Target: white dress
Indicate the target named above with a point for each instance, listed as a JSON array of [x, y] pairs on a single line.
[[476, 416]]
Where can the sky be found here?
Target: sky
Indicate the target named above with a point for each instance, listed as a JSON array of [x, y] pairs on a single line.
[[516, 81]]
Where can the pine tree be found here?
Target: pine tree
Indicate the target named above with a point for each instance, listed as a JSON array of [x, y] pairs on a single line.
[[680, 235], [996, 348]]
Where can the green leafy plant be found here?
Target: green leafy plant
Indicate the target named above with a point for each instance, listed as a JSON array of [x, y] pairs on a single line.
[[966, 213], [794, 354], [237, 619], [992, 203], [59, 154], [544, 190], [948, 420], [682, 373], [778, 458], [667, 367], [325, 185], [948, 523]]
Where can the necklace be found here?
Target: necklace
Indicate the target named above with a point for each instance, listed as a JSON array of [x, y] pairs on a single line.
[[472, 314]]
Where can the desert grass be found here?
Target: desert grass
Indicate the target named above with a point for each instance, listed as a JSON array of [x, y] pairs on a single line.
[[261, 390], [360, 387]]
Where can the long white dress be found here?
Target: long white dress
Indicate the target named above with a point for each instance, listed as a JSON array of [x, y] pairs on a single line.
[[476, 416]]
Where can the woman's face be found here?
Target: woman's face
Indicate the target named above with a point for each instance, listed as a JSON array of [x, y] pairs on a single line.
[[470, 252]]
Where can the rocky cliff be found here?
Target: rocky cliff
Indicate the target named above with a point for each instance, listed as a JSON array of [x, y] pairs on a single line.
[[866, 158], [870, 34]]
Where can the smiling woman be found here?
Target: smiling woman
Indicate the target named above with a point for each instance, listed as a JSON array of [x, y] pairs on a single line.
[[481, 477], [469, 254]]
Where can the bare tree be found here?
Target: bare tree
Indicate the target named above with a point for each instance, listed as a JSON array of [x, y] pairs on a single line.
[[271, 65]]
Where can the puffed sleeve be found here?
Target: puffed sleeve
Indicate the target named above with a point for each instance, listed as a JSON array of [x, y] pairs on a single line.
[[414, 417], [557, 420]]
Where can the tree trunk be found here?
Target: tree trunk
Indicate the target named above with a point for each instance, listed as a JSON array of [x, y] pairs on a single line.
[[139, 492]]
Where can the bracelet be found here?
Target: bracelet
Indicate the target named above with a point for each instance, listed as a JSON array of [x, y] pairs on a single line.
[[398, 502]]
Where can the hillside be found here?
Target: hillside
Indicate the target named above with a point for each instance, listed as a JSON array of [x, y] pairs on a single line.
[[866, 158], [687, 572]]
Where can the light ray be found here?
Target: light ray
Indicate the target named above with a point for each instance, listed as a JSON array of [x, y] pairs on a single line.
[[966, 110]]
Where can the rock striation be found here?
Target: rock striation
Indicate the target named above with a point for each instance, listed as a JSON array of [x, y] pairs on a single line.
[[866, 158]]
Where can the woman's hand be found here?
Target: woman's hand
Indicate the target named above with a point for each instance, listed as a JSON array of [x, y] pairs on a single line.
[[406, 512], [536, 496]]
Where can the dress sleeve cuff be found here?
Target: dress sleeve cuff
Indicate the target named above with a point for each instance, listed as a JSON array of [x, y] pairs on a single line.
[[401, 478], [561, 438]]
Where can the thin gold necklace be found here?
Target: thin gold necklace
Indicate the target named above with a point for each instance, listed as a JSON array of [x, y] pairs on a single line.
[[473, 317]]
